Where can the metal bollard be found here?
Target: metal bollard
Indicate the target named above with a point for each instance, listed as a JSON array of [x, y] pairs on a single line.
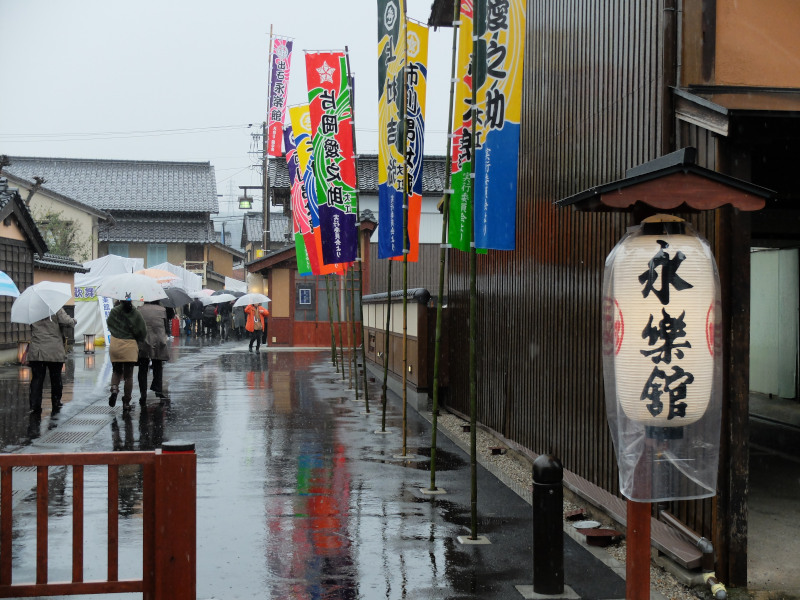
[[548, 531]]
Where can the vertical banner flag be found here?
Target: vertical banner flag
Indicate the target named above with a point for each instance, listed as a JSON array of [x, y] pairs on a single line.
[[498, 79], [391, 126], [460, 218], [279, 87], [416, 89], [301, 127], [334, 164], [301, 219]]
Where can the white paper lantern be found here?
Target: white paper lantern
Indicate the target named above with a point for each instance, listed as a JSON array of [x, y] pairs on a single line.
[[661, 306]]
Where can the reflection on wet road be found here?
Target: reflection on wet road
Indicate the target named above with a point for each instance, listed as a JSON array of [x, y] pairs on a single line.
[[296, 495]]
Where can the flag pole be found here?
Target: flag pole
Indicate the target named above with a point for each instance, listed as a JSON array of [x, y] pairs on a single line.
[[338, 319], [437, 353], [334, 358], [386, 342], [404, 109], [473, 297], [265, 226], [351, 82]]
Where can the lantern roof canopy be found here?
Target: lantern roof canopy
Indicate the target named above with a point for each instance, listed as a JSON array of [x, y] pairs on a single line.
[[673, 182]]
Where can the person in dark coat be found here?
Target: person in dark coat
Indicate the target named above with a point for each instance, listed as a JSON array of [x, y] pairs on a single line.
[[196, 315], [224, 319], [46, 353], [210, 320], [153, 349], [127, 328]]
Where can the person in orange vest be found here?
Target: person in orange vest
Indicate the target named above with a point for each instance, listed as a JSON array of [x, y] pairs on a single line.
[[256, 323]]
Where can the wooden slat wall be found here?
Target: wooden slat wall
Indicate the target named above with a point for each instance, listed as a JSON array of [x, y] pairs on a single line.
[[593, 107], [422, 274]]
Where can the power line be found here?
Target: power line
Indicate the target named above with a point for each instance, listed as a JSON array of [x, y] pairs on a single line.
[[110, 135]]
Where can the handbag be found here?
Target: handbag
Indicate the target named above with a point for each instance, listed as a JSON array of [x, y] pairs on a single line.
[[257, 324]]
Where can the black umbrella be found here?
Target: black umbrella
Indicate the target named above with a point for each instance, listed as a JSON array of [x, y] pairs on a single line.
[[237, 294], [175, 297]]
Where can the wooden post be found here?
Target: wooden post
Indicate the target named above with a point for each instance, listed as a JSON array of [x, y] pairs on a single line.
[[637, 553], [176, 522]]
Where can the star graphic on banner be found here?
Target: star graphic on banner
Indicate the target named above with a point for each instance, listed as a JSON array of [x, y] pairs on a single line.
[[325, 73]]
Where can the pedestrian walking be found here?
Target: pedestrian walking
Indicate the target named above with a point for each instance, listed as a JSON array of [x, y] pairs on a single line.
[[196, 315], [239, 321], [153, 349], [46, 352], [210, 320], [127, 328], [224, 310], [256, 323]]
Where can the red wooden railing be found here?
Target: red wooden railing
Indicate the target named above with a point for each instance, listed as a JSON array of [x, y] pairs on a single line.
[[169, 523]]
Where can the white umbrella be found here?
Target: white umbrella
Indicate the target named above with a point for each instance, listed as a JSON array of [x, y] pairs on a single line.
[[251, 299], [219, 299], [131, 286], [7, 286], [40, 301]]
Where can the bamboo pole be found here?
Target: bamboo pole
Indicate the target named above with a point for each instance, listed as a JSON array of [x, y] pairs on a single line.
[[339, 320], [353, 324], [404, 103], [334, 359], [386, 343], [437, 352], [473, 302], [343, 315], [359, 253]]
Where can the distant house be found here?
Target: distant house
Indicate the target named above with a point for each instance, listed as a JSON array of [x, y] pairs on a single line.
[[161, 210], [83, 219], [280, 233], [24, 258]]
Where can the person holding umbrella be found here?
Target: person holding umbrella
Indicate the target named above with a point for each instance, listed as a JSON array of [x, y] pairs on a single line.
[[46, 352], [256, 323], [40, 307], [127, 328], [153, 348]]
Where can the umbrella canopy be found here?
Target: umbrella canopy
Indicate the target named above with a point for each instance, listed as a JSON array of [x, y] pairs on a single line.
[[231, 292], [160, 275], [222, 298], [7, 286], [40, 301], [251, 299], [175, 297], [131, 286]]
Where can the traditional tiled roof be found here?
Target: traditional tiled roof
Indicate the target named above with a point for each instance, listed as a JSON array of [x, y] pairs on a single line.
[[11, 204], [141, 228], [433, 174], [279, 228], [56, 262], [44, 190], [113, 185]]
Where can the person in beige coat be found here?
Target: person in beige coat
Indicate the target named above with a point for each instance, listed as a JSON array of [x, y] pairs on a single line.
[[46, 353], [153, 349], [127, 328]]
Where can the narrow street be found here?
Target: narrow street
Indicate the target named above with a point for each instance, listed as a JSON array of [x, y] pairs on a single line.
[[297, 496]]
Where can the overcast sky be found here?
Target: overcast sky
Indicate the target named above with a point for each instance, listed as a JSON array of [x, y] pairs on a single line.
[[181, 80]]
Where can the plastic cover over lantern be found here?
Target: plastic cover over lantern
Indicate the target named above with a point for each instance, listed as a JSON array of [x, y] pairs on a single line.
[[661, 361]]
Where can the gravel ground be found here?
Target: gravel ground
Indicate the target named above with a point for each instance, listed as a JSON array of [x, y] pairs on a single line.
[[515, 470]]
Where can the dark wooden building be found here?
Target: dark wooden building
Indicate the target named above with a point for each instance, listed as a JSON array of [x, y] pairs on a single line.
[[610, 85]]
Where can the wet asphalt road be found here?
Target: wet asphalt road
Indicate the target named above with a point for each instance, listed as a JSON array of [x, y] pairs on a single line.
[[297, 497]]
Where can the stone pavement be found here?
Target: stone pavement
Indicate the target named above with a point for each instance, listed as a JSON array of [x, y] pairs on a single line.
[[297, 496]]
